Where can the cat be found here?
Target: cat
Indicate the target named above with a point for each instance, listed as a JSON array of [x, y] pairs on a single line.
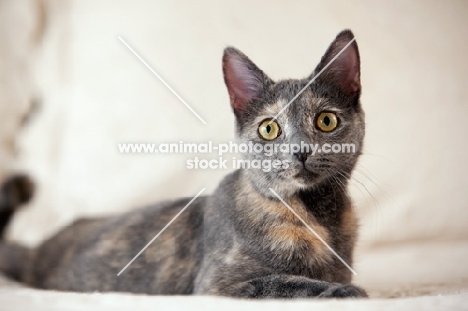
[[241, 241]]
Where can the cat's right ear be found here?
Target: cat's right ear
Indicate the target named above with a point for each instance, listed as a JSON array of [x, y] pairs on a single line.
[[244, 80]]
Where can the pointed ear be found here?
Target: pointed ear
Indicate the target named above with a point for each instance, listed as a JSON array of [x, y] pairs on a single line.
[[344, 71], [244, 80]]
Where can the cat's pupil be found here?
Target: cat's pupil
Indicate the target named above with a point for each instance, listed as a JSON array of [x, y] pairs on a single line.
[[268, 128], [326, 120]]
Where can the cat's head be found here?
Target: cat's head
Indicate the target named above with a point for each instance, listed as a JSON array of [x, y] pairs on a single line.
[[327, 114]]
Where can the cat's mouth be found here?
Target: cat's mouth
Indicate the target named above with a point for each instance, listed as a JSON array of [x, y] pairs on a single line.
[[306, 174]]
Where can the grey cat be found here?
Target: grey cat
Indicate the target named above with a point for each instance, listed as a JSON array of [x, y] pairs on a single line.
[[241, 241]]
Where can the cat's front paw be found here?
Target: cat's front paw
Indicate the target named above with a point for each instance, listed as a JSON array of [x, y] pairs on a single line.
[[343, 291]]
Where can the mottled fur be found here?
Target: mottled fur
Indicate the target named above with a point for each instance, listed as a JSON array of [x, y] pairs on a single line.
[[241, 241]]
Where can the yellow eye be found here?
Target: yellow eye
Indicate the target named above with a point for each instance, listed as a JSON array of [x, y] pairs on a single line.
[[327, 121], [269, 131]]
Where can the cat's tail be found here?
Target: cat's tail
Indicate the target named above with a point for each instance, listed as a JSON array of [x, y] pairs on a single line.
[[15, 192]]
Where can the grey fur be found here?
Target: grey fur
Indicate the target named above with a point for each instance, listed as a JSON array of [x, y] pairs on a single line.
[[240, 241]]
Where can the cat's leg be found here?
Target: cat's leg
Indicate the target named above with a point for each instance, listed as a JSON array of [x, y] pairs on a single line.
[[290, 286]]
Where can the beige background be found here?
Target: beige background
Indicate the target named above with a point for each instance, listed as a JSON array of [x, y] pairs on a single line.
[[411, 183]]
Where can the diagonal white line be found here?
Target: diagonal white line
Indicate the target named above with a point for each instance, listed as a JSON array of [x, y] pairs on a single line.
[[161, 79], [157, 235], [313, 231], [313, 79]]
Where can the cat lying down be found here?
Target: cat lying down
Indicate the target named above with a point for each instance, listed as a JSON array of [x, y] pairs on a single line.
[[285, 233]]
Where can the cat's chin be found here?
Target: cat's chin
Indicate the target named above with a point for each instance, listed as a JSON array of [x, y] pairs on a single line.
[[286, 184], [304, 178], [305, 175], [296, 180]]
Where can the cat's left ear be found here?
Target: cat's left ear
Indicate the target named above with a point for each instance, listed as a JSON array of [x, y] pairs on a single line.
[[344, 71], [244, 80]]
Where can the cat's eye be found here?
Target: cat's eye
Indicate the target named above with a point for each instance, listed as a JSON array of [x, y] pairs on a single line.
[[327, 121], [269, 129]]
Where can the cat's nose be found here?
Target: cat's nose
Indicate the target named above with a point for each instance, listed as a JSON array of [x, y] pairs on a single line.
[[302, 156]]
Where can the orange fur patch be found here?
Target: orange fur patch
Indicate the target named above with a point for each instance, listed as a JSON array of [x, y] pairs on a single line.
[[349, 222], [289, 230]]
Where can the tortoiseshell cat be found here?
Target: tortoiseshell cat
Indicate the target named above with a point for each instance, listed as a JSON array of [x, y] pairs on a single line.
[[241, 241]]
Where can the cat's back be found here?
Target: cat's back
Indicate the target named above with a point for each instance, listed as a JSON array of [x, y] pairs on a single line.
[[88, 254]]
